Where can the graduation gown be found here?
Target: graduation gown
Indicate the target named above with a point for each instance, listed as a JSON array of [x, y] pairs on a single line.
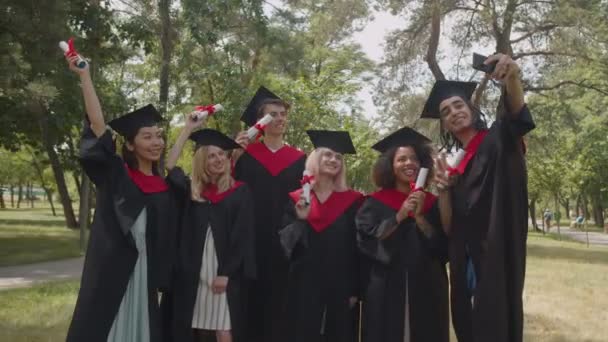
[[323, 272], [111, 252], [407, 259], [489, 231], [271, 177], [230, 217]]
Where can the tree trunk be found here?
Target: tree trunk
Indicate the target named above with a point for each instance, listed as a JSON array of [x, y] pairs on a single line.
[[12, 190], [49, 196], [598, 210], [2, 204], [19, 196], [532, 208], [431, 53], [58, 173], [32, 195], [586, 207], [164, 7]]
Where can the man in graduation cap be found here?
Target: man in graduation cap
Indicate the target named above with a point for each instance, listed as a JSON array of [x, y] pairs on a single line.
[[272, 169], [489, 222], [319, 238]]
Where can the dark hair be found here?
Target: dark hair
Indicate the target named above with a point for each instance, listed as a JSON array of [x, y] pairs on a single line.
[[479, 122], [131, 160], [383, 175], [267, 102]]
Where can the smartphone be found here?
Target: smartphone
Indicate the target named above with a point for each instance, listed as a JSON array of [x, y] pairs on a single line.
[[478, 64]]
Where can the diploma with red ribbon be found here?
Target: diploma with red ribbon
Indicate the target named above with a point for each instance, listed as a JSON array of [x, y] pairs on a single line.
[[256, 130], [201, 112], [453, 168], [306, 185], [70, 51], [421, 180]]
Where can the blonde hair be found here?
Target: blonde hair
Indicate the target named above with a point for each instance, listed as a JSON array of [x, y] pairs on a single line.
[[200, 177], [312, 165]]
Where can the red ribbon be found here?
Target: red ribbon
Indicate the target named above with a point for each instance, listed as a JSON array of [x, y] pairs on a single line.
[[414, 188], [260, 128], [452, 171], [210, 109], [306, 180], [71, 50]]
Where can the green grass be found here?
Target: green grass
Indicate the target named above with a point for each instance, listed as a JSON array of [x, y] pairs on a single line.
[[38, 314], [565, 297], [35, 235]]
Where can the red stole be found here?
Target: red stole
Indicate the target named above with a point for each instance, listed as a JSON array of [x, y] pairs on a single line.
[[322, 215]]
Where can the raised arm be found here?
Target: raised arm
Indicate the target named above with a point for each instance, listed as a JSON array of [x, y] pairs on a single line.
[[91, 101], [177, 148], [507, 71]]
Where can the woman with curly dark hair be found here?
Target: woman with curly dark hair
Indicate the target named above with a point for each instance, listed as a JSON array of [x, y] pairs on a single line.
[[400, 233]]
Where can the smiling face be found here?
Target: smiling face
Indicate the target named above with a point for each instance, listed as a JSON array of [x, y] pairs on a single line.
[[456, 115], [330, 163], [279, 114], [215, 164], [148, 144], [405, 165]]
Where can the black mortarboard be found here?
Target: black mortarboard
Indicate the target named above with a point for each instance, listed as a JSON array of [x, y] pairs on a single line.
[[403, 137], [128, 124], [338, 141], [207, 136], [444, 90], [250, 114]]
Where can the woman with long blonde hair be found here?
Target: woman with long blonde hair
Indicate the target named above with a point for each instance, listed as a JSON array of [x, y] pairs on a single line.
[[319, 239], [214, 256]]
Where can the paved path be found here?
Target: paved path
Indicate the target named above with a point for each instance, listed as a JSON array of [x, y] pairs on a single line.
[[27, 275], [595, 238]]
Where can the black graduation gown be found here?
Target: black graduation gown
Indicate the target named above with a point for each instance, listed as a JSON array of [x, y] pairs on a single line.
[[323, 272], [270, 176], [490, 224], [111, 252], [406, 251], [231, 222]]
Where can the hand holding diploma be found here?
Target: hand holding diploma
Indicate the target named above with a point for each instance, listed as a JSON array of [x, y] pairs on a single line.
[[306, 185], [69, 51], [256, 130]]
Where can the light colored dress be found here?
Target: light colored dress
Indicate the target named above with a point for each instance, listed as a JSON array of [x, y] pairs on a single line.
[[132, 322], [211, 310]]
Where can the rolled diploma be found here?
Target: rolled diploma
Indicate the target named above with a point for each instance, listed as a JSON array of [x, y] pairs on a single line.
[[201, 115], [252, 132], [81, 63], [421, 180], [306, 188]]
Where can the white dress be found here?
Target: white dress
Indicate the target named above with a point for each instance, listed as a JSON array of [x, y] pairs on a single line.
[[211, 310]]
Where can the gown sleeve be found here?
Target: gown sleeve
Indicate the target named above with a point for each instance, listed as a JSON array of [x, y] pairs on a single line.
[[517, 125], [179, 182], [294, 232], [97, 155], [370, 227], [438, 242]]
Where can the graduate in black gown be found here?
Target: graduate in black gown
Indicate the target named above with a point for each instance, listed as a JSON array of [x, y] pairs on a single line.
[[213, 245], [128, 254], [272, 169], [400, 232], [320, 241], [489, 205]]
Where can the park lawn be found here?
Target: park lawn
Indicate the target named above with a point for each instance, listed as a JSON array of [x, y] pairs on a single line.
[[35, 235], [564, 298]]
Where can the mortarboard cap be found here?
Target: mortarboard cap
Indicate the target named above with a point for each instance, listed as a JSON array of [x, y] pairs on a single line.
[[128, 124], [403, 137], [207, 136], [338, 141], [250, 114], [444, 90]]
